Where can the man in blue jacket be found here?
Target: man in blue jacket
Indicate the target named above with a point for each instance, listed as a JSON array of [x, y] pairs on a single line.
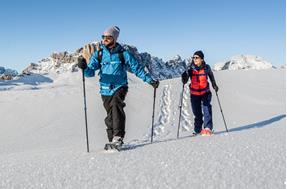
[[113, 61]]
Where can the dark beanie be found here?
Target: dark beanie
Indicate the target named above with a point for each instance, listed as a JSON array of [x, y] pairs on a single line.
[[200, 54]]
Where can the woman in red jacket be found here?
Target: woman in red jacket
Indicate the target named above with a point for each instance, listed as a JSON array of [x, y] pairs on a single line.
[[200, 94]]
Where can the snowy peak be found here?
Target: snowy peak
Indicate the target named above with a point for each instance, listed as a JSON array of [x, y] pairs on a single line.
[[7, 74], [166, 70], [246, 62], [57, 63]]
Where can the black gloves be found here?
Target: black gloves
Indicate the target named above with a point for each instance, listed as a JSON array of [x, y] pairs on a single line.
[[82, 63], [184, 78], [154, 83], [215, 87]]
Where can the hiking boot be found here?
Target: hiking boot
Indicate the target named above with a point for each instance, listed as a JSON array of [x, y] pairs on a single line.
[[118, 141], [206, 132], [202, 132]]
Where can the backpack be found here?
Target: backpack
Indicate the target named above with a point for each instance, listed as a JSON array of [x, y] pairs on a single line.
[[89, 50], [121, 56]]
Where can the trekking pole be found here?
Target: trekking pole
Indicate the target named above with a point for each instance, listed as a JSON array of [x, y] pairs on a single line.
[[180, 108], [153, 107], [85, 108], [221, 112]]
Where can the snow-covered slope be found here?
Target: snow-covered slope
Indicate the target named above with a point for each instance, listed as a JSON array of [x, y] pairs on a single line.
[[243, 62], [42, 138]]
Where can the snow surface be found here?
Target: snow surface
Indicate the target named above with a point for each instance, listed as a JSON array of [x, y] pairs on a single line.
[[42, 138]]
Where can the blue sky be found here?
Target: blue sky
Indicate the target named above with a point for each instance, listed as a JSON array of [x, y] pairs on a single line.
[[32, 29]]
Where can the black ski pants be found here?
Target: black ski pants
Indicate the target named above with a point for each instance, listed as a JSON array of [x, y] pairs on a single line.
[[116, 118]]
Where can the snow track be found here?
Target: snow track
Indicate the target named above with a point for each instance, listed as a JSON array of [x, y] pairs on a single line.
[[168, 114], [164, 117], [186, 117]]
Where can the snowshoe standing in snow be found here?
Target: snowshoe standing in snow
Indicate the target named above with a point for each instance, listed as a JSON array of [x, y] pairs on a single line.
[[200, 94], [115, 145], [113, 61], [205, 132]]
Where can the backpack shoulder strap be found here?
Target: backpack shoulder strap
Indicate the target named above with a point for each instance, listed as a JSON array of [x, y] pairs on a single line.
[[206, 70], [122, 58], [100, 55]]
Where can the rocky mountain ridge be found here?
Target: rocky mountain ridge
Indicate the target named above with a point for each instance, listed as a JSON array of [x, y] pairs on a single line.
[[60, 62]]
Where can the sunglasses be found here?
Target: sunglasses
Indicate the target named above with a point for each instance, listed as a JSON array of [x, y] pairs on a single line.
[[108, 37], [195, 57]]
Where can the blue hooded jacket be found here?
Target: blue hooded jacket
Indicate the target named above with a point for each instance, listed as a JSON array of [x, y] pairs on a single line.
[[113, 73]]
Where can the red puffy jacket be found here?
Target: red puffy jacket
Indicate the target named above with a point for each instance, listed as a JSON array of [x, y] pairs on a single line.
[[199, 79]]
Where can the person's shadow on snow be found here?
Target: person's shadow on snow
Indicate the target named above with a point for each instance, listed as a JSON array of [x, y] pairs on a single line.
[[141, 143], [249, 126], [255, 125]]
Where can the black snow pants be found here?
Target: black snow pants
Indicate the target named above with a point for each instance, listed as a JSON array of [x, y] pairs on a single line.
[[116, 118]]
